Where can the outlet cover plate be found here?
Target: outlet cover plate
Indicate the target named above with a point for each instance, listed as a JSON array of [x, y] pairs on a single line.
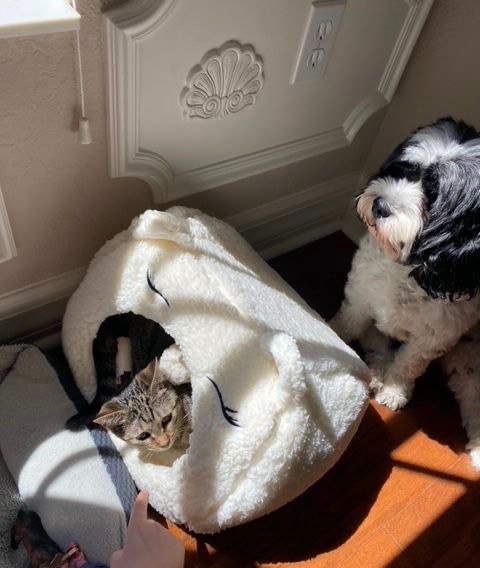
[[318, 39]]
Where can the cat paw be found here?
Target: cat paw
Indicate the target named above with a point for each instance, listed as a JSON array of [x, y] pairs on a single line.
[[392, 396]]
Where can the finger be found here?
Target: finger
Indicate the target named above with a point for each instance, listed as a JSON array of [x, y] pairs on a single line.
[[139, 509], [116, 558]]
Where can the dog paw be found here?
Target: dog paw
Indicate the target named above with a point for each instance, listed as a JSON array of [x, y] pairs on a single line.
[[474, 449], [392, 396], [377, 380]]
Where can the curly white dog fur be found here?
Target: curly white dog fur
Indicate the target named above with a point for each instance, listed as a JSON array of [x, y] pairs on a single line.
[[416, 275]]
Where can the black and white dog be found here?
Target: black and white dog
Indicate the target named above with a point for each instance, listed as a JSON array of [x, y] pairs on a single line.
[[416, 275]]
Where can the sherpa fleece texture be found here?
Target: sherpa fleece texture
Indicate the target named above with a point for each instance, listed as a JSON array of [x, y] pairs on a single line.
[[277, 396]]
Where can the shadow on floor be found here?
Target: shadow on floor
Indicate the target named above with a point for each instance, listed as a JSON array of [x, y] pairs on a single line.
[[323, 517]]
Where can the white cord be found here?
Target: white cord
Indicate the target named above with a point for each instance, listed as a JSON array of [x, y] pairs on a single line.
[[84, 127]]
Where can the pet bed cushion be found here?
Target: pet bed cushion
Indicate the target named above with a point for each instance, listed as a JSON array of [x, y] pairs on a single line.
[[277, 396], [75, 481]]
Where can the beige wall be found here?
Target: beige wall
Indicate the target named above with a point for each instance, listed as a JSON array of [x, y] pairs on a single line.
[[60, 200], [442, 77], [61, 203], [59, 197]]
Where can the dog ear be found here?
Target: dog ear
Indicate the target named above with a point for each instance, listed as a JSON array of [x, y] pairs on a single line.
[[450, 275], [461, 130], [447, 252]]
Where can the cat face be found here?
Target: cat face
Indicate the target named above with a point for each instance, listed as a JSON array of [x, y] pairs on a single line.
[[149, 413]]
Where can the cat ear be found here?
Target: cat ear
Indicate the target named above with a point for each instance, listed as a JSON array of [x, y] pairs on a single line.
[[110, 414], [162, 225], [147, 375], [158, 378]]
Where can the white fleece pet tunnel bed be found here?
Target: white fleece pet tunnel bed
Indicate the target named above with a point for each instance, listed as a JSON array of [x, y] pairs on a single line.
[[277, 396]]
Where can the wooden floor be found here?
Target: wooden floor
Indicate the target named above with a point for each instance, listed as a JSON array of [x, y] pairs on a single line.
[[402, 495]]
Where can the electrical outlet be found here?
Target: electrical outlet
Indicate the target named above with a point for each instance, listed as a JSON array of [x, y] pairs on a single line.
[[318, 39]]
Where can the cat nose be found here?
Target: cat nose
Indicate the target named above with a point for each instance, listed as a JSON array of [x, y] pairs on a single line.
[[163, 440], [380, 208]]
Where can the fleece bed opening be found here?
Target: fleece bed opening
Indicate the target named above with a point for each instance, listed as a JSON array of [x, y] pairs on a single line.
[[125, 346], [148, 339]]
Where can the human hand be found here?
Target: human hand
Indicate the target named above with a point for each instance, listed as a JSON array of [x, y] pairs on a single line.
[[148, 544]]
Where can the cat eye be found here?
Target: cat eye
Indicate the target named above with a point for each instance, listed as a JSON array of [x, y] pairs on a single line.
[[143, 436], [166, 419]]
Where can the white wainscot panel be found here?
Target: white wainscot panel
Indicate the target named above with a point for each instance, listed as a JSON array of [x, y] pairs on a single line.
[[163, 54]]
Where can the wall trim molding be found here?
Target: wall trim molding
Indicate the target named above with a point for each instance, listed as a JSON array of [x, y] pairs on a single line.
[[8, 249], [132, 21], [258, 162], [412, 26], [18, 302], [272, 229]]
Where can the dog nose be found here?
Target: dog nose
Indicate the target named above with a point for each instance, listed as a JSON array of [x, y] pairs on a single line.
[[380, 208]]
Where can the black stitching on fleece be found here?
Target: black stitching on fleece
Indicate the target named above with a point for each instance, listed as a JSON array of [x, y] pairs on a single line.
[[152, 287], [225, 410]]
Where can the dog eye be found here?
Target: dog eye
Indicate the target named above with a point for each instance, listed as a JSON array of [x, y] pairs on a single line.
[[166, 419], [143, 436], [398, 169]]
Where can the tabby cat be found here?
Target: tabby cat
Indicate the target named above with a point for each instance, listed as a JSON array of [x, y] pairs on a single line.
[[151, 412], [148, 340]]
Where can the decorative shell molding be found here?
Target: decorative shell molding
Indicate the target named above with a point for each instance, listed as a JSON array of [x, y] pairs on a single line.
[[227, 81]]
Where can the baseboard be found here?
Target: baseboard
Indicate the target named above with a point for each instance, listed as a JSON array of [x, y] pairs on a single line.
[[39, 294], [351, 224], [36, 307], [46, 338], [353, 227], [293, 221], [33, 313]]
